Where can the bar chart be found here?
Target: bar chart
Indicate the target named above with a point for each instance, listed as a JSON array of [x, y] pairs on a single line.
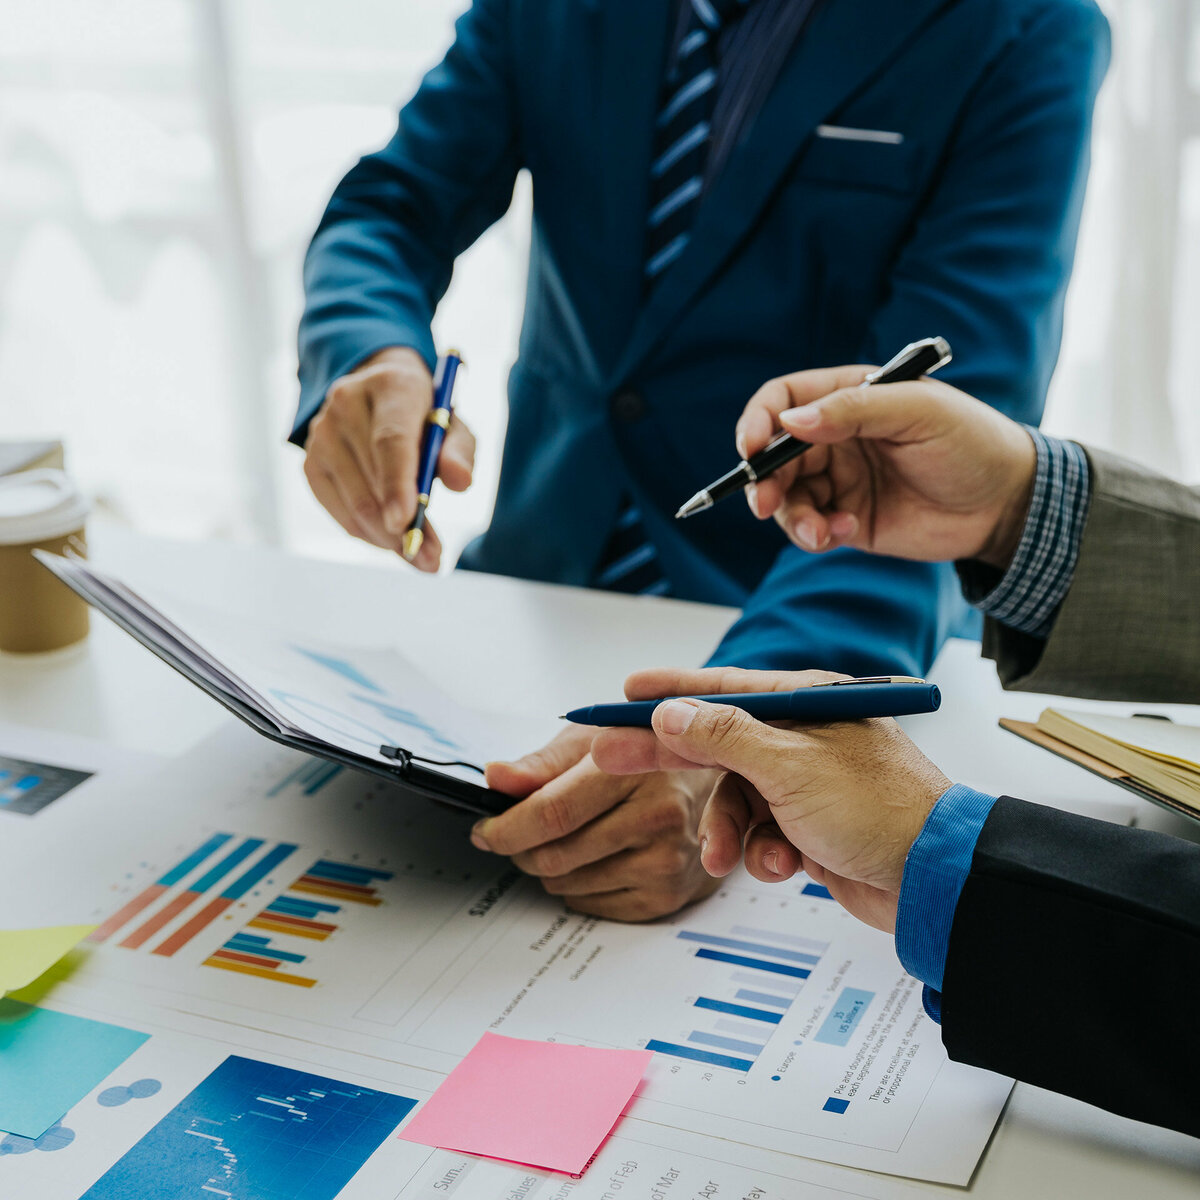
[[294, 914], [146, 915], [257, 1130], [757, 974]]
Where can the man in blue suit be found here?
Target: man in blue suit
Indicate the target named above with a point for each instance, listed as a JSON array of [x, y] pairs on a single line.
[[724, 190]]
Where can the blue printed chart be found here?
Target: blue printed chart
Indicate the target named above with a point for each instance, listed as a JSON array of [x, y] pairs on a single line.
[[776, 1019], [758, 973], [256, 1131]]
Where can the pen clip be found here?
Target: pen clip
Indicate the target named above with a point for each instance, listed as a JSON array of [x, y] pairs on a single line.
[[871, 679]]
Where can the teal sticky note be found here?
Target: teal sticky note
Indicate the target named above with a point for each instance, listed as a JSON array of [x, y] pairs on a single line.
[[50, 1061]]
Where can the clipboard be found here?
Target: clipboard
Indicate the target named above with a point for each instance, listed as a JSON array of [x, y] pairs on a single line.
[[408, 771], [1029, 732]]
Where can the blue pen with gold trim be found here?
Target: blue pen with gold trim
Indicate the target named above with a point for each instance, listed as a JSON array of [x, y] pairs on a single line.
[[839, 700], [436, 425]]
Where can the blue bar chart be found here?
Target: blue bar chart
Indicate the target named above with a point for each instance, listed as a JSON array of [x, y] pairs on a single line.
[[757, 975]]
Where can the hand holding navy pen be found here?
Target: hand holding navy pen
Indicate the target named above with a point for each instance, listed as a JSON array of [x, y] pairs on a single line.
[[436, 425], [915, 360], [842, 700]]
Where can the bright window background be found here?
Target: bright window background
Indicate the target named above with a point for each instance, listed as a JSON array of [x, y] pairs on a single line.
[[163, 162]]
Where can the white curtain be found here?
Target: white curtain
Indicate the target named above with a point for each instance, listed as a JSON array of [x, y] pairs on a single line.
[[1127, 379], [162, 163]]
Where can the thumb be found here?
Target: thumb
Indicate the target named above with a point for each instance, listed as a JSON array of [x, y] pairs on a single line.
[[900, 412], [525, 775], [719, 735]]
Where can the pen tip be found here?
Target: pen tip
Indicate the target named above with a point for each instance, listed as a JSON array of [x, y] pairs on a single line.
[[698, 503], [411, 545]]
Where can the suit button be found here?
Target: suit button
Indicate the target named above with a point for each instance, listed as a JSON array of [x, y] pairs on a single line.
[[627, 406]]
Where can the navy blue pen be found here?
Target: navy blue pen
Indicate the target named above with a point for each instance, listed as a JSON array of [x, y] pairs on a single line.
[[843, 700], [436, 425]]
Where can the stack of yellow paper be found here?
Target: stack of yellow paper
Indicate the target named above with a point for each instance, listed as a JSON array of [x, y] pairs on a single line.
[[1160, 755]]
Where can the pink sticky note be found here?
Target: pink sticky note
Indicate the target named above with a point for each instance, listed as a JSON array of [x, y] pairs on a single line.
[[543, 1104]]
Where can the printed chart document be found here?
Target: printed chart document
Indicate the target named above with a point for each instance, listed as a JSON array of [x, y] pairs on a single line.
[[248, 887], [192, 1115]]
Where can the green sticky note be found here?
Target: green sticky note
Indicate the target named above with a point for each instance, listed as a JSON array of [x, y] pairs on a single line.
[[49, 1061], [27, 953]]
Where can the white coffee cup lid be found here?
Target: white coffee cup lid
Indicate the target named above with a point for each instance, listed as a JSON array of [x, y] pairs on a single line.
[[38, 505]]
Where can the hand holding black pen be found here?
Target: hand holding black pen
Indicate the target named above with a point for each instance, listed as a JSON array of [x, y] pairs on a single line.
[[915, 360], [913, 470]]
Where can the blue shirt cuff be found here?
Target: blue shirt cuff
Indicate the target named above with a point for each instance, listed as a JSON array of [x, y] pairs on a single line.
[[1028, 595], [935, 870]]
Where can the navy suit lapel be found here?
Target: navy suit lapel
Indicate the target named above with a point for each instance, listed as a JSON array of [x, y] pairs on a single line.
[[635, 35], [846, 43]]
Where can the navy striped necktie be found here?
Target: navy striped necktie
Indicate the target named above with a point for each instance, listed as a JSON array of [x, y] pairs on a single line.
[[683, 133], [682, 139]]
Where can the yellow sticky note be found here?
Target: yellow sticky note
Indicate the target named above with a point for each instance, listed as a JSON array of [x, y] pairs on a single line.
[[27, 953]]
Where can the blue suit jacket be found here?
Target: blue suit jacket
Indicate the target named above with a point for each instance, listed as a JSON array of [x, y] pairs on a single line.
[[806, 251]]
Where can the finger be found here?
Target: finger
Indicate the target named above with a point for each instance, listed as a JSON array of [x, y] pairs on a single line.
[[645, 903], [326, 492], [720, 735], [653, 820], [525, 775], [759, 421], [456, 462], [817, 531], [769, 856], [634, 752], [896, 412], [724, 824], [398, 411], [555, 811], [658, 682], [354, 492], [773, 491]]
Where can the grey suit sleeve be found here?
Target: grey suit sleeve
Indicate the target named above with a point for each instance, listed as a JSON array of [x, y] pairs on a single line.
[[1129, 627]]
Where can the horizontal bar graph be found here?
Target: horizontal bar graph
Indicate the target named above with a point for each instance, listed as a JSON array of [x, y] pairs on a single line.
[[698, 1055], [745, 1005], [159, 888], [341, 881], [233, 893], [222, 861], [257, 949], [751, 947], [740, 1010]]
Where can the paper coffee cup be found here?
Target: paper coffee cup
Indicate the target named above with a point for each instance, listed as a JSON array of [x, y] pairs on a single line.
[[39, 510]]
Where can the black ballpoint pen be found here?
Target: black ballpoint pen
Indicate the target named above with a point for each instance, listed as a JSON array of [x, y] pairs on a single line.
[[915, 360]]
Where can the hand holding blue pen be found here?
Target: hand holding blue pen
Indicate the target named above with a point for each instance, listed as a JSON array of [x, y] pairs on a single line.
[[436, 425], [838, 700]]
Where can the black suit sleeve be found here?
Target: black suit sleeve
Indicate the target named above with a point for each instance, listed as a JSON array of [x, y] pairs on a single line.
[[1074, 962]]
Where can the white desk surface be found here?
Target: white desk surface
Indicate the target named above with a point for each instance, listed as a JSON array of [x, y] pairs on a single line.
[[543, 649]]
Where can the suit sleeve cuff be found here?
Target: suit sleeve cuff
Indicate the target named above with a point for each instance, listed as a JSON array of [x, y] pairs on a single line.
[[1028, 595], [935, 870]]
